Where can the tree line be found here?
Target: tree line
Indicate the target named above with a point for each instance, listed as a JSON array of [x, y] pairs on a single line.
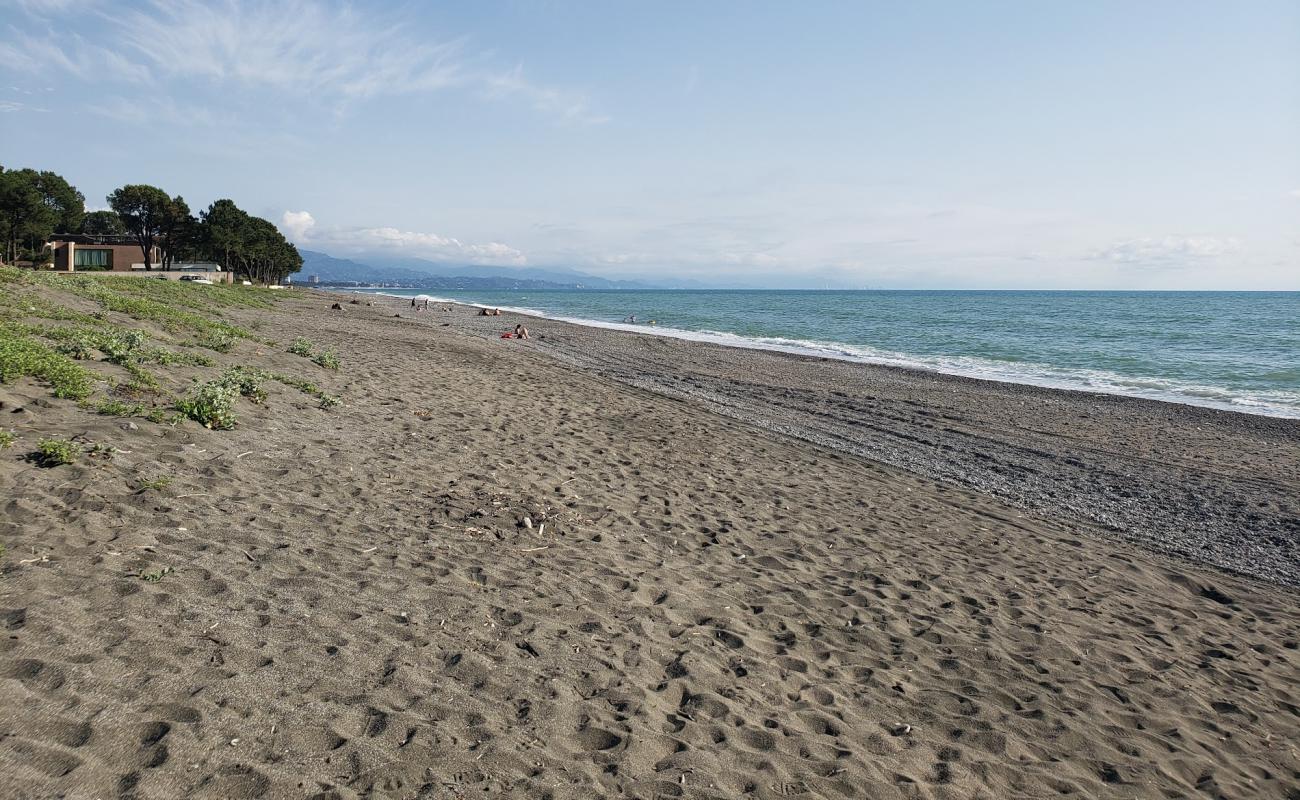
[[35, 205]]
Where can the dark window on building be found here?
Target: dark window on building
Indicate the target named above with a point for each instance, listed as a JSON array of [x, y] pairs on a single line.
[[85, 258]]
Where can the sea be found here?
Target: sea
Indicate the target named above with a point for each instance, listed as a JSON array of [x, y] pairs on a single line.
[[1229, 350]]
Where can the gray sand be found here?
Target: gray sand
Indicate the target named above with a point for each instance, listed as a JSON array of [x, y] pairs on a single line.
[[1216, 487]]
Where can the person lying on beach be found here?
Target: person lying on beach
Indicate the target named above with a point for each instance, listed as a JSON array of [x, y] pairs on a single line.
[[490, 312]]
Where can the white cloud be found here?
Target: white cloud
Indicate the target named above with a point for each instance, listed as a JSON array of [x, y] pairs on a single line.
[[319, 50], [300, 227], [70, 53], [297, 224], [160, 110], [45, 7], [8, 107], [569, 106], [1295, 193], [434, 246], [297, 46], [1167, 250]]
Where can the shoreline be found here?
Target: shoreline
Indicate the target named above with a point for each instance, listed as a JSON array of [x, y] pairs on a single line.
[[1212, 486], [993, 372]]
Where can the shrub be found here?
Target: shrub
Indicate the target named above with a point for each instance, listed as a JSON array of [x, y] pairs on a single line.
[[55, 451], [327, 359], [329, 400], [7, 439], [210, 404], [301, 347]]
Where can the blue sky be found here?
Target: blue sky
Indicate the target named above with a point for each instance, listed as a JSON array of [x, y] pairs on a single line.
[[998, 144]]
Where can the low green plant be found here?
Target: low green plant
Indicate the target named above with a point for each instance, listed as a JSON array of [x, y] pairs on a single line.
[[301, 346], [54, 451], [142, 380], [79, 348], [122, 346], [116, 408], [7, 439], [247, 381], [155, 484], [156, 575], [304, 386], [100, 450], [211, 404], [327, 401], [157, 355], [327, 359], [160, 416], [220, 340], [21, 356]]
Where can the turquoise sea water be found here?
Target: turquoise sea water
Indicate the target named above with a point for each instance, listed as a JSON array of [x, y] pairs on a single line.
[[1235, 350]]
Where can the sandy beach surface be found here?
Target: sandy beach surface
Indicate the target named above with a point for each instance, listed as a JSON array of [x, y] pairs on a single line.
[[596, 564]]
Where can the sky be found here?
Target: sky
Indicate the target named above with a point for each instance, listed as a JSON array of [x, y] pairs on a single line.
[[1097, 145]]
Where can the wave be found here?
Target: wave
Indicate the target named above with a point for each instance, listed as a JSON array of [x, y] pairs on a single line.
[[1274, 403]]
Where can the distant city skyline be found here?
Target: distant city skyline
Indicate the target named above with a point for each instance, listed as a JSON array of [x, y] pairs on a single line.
[[1104, 145]]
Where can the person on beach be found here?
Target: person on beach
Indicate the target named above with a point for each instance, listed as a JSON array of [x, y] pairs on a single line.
[[521, 332]]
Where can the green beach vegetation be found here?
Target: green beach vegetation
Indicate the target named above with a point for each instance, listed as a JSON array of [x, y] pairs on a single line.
[[125, 347], [55, 451], [132, 348], [326, 359]]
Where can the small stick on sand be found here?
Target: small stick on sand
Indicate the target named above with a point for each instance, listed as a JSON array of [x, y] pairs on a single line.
[[241, 455], [534, 549], [370, 549]]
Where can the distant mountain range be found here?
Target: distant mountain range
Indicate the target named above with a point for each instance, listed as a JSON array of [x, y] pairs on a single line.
[[421, 274]]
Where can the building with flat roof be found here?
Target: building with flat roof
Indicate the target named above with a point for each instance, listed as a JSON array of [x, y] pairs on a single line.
[[84, 252], [87, 252]]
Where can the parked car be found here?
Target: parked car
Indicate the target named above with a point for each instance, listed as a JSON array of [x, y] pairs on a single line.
[[195, 279]]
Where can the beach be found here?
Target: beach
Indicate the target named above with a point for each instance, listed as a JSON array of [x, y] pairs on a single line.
[[603, 564]]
